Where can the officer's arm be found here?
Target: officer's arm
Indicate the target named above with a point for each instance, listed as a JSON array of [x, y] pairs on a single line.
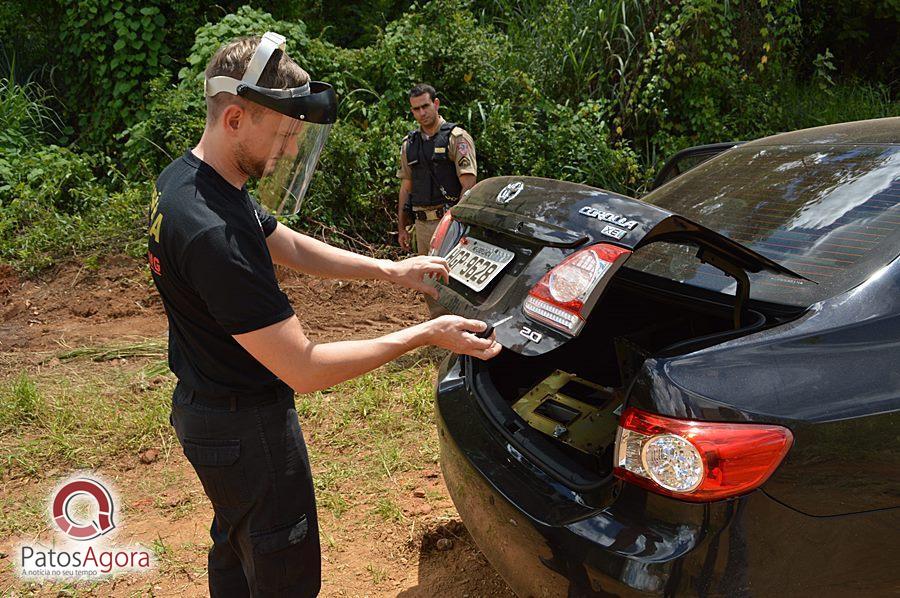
[[405, 190], [306, 366], [467, 181], [462, 152], [311, 256]]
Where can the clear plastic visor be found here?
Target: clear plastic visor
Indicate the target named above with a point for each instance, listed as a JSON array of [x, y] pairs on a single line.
[[290, 165]]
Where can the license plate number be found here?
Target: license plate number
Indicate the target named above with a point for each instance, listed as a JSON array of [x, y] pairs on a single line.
[[476, 263]]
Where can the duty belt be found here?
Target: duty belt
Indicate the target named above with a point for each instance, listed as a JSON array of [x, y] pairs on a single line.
[[435, 213]]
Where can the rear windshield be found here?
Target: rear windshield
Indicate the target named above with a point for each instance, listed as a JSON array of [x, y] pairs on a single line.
[[830, 213]]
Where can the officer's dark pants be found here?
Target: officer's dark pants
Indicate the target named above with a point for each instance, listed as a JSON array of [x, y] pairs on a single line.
[[251, 459]]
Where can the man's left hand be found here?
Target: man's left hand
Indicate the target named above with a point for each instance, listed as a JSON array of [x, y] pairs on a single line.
[[411, 273]]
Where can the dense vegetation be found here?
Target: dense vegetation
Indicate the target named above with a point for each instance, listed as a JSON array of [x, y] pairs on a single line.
[[96, 96]]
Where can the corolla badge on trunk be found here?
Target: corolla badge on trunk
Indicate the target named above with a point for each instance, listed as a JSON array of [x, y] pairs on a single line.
[[603, 216], [509, 193]]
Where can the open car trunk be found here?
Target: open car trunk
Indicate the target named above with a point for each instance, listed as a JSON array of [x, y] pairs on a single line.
[[557, 394], [573, 395]]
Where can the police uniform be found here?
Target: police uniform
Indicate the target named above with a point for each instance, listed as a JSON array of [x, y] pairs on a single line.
[[234, 419], [434, 165]]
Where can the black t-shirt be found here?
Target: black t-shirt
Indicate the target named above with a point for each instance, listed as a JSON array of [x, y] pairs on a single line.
[[211, 265]]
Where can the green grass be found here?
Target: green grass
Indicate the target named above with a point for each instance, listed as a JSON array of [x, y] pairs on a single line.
[[22, 514], [378, 574], [808, 105], [368, 439], [92, 411], [366, 434], [79, 418], [24, 115], [388, 510], [20, 403]]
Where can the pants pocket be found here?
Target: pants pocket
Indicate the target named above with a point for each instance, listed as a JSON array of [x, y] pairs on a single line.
[[286, 560], [279, 538], [217, 465]]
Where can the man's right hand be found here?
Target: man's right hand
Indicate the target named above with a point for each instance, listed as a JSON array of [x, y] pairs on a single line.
[[403, 237], [458, 335]]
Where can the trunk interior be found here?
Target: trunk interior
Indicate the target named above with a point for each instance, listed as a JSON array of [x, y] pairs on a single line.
[[586, 380]]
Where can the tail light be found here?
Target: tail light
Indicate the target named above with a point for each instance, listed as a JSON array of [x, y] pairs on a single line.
[[440, 232], [563, 298], [694, 460]]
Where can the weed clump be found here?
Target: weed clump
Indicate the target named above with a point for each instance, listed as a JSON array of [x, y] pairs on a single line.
[[20, 403]]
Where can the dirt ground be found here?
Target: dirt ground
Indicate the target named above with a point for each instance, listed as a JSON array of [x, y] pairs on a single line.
[[427, 552]]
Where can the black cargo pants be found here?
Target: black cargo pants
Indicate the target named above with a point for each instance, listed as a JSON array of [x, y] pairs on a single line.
[[251, 459]]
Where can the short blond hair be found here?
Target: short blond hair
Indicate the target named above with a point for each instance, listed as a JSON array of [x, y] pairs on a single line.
[[232, 59]]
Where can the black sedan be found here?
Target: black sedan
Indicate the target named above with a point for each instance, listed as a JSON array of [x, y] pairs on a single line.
[[699, 392]]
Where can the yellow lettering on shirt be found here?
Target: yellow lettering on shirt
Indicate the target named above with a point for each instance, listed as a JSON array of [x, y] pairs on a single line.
[[154, 201], [155, 216], [156, 226]]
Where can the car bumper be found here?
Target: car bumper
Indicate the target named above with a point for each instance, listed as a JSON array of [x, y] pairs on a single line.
[[545, 541]]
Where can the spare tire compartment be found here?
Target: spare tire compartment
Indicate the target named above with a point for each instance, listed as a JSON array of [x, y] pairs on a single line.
[[637, 317]]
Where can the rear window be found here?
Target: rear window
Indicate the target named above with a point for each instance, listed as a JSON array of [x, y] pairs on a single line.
[[828, 213]]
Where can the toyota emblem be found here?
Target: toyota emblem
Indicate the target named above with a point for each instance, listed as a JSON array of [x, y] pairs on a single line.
[[509, 193]]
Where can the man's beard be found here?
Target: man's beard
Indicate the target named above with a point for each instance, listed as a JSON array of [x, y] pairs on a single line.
[[250, 166]]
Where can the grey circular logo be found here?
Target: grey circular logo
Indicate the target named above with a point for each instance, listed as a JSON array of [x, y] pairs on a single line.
[[509, 193]]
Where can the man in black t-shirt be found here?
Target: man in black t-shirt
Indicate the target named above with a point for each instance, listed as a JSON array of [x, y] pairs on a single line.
[[237, 349]]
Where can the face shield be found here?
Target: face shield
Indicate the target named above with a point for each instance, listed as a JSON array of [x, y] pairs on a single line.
[[298, 136]]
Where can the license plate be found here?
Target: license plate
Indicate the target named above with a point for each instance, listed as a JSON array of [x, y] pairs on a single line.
[[476, 263]]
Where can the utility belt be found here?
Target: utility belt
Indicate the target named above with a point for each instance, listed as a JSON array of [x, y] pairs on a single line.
[[428, 213], [236, 401]]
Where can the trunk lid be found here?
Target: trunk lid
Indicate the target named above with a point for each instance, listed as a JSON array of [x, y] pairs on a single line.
[[542, 221]]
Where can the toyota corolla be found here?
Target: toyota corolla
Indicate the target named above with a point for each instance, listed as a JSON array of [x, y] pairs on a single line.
[[699, 391]]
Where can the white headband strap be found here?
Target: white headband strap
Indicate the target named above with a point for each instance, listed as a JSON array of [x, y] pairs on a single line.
[[270, 42]]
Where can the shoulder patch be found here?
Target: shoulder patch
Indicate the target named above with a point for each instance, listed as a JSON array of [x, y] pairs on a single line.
[[462, 148]]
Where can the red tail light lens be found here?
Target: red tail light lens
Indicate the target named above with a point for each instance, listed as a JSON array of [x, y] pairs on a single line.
[[565, 295], [440, 232], [694, 460]]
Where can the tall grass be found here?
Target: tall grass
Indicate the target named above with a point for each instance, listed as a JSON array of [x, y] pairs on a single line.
[[809, 105], [576, 50], [24, 116]]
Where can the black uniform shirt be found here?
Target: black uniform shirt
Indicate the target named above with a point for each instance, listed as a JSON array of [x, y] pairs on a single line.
[[213, 270]]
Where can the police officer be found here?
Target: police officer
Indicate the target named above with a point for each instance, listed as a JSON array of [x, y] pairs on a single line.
[[437, 165], [235, 345]]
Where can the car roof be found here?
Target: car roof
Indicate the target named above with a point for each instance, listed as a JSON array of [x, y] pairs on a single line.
[[879, 131]]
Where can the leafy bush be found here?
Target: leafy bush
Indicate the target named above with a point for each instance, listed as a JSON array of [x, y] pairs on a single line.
[[28, 37], [245, 22], [124, 41], [174, 122], [62, 180], [25, 120], [60, 203], [598, 91], [594, 91], [33, 236]]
